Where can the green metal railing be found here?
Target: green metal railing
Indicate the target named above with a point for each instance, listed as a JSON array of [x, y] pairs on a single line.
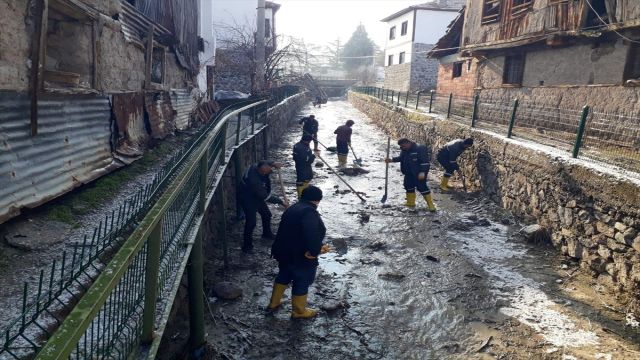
[[109, 329], [610, 137]]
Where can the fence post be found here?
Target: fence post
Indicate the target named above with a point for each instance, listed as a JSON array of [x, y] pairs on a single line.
[[204, 171], [449, 106], [431, 95], [151, 273], [238, 129], [224, 129], [223, 230], [406, 99], [398, 101], [237, 165], [474, 112], [580, 134], [196, 293], [513, 118], [418, 99], [253, 120]]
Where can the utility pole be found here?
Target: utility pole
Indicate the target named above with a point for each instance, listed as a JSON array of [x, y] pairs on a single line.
[[260, 47]]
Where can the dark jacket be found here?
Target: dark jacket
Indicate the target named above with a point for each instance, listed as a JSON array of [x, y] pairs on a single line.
[[415, 160], [343, 134], [304, 158], [451, 151], [256, 187], [301, 229], [310, 125]]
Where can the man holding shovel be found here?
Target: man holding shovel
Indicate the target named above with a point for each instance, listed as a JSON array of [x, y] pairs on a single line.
[[343, 140], [448, 158], [414, 162], [304, 158], [255, 192], [310, 127]]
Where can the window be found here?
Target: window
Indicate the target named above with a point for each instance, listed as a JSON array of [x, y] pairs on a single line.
[[392, 33], [401, 58], [520, 7], [491, 11], [403, 28], [597, 15], [513, 70], [632, 68], [157, 65], [457, 70], [390, 61], [267, 28]]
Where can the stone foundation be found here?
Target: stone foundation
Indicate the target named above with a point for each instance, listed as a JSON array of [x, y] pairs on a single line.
[[593, 217]]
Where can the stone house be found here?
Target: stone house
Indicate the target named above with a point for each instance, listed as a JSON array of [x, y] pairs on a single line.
[[412, 32], [85, 86], [552, 53], [456, 73]]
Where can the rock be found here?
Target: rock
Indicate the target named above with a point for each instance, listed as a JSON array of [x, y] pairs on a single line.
[[620, 226], [460, 226], [636, 244], [603, 228], [630, 234], [354, 171], [483, 222], [364, 217], [559, 281], [616, 246], [377, 245], [332, 305], [571, 204], [432, 258], [391, 276], [319, 164], [620, 238], [535, 234], [604, 252], [473, 218], [584, 216], [574, 248], [505, 221], [227, 290]]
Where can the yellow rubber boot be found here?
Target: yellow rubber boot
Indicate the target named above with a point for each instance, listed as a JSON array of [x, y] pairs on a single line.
[[276, 296], [430, 204], [300, 310], [299, 188], [444, 184], [411, 199], [342, 161]]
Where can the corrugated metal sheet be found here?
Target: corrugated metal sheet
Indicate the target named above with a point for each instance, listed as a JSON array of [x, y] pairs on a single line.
[[135, 25], [72, 147], [183, 105], [132, 137], [160, 114]]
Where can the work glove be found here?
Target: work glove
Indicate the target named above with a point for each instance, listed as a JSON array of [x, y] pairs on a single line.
[[387, 160], [421, 176], [325, 249], [275, 200], [309, 256]]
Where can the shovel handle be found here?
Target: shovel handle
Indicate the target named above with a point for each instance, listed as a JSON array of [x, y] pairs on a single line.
[[386, 171], [284, 194], [343, 180]]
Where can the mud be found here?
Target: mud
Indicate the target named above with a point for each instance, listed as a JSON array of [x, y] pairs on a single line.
[[409, 284]]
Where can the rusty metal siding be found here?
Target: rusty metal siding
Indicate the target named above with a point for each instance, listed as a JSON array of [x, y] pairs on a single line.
[[135, 25], [72, 147], [160, 114], [132, 136], [183, 105]]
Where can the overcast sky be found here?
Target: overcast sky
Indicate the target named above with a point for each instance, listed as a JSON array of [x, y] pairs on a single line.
[[323, 21]]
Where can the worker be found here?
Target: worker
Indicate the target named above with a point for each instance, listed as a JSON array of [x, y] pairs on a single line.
[[255, 192], [303, 157], [448, 158], [343, 140], [414, 162], [310, 126], [297, 247]]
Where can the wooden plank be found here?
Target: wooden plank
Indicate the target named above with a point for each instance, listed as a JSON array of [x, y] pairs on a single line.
[[149, 59], [38, 53], [94, 53]]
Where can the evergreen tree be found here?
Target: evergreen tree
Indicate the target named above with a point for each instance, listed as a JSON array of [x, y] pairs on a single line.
[[357, 52]]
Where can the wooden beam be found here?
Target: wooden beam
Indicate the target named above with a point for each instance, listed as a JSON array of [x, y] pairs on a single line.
[[94, 53], [149, 59], [38, 53]]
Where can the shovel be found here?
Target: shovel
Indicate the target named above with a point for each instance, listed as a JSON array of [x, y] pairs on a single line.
[[386, 174], [464, 185], [356, 161], [340, 177]]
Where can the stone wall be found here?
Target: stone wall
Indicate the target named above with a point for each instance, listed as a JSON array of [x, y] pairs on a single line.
[[424, 71], [592, 216], [397, 77]]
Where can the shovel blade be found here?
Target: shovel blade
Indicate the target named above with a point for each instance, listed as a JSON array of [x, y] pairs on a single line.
[[384, 199]]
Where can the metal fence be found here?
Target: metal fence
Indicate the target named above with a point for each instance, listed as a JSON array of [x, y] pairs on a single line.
[[112, 283], [613, 138]]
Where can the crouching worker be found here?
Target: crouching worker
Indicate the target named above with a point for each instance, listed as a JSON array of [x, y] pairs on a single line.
[[448, 158], [255, 192], [297, 247], [304, 158], [414, 163]]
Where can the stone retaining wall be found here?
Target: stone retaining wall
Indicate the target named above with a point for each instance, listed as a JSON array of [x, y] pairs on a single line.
[[592, 216]]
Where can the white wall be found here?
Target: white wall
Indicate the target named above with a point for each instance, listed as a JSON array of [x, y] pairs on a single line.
[[431, 25], [207, 33], [401, 42]]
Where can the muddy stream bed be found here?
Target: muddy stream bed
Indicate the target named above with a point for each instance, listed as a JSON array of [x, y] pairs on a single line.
[[408, 284]]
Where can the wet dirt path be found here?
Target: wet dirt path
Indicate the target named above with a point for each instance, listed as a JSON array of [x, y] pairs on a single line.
[[405, 284]]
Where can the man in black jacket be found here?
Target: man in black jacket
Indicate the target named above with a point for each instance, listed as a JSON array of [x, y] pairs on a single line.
[[310, 127], [414, 162], [448, 158], [303, 157], [297, 247], [343, 140], [255, 192]]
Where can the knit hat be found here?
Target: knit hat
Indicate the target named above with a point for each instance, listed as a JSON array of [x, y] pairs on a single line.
[[468, 141], [307, 137], [350, 122], [311, 193]]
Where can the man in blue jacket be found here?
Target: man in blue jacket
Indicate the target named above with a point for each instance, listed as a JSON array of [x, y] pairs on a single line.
[[303, 158], [448, 158], [297, 247], [414, 162], [255, 192]]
